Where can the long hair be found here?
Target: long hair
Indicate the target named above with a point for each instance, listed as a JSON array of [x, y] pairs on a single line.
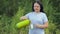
[[41, 6]]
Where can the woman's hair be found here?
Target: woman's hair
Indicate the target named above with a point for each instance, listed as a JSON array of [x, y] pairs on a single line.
[[41, 6]]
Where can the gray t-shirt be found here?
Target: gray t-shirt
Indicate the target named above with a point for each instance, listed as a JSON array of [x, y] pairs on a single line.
[[37, 18]]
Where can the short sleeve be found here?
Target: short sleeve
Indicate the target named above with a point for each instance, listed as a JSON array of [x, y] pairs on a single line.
[[27, 15], [45, 19]]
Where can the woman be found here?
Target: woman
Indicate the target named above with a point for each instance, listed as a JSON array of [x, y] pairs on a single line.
[[38, 19]]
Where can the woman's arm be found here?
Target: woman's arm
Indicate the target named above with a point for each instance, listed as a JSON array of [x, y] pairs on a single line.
[[45, 25], [45, 21]]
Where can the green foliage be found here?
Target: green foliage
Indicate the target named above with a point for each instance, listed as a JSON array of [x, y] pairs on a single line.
[[5, 24], [12, 10], [8, 7]]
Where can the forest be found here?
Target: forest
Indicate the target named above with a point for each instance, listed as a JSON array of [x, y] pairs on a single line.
[[12, 10]]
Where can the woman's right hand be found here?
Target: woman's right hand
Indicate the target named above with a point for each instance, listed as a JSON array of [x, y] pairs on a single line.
[[23, 18]]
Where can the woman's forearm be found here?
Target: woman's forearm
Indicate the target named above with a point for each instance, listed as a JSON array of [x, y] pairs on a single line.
[[42, 26]]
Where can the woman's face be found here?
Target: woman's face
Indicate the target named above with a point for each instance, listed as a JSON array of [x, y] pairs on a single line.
[[36, 7]]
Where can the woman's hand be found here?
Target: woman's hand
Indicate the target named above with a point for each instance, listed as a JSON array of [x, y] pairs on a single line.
[[23, 18]]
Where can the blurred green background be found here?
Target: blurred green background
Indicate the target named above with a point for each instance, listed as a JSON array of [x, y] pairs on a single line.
[[12, 10]]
